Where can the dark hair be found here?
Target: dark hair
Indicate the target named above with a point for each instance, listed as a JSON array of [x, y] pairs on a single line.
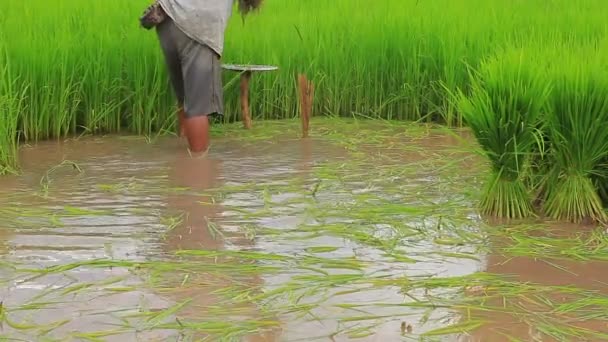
[[246, 6]]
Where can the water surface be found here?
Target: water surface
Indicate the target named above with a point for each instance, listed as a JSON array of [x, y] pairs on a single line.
[[335, 238]]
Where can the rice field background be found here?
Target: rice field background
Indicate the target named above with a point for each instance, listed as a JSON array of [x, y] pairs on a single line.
[[86, 67], [432, 119], [75, 66]]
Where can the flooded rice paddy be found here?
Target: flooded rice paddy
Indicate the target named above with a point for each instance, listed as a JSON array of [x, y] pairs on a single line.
[[364, 232]]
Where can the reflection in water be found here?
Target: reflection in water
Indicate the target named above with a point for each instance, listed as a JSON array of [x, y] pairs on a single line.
[[8, 185], [197, 176], [76, 222], [127, 181], [345, 222], [200, 229]]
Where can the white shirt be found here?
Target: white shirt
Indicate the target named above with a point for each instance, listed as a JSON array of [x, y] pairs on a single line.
[[202, 20]]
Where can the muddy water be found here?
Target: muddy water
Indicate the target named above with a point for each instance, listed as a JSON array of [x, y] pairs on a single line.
[[518, 315], [128, 227], [124, 186], [138, 202]]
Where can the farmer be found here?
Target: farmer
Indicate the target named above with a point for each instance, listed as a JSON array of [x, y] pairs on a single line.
[[191, 35]]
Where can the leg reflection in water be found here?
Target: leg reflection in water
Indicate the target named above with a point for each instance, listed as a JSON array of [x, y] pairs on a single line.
[[194, 176], [208, 283]]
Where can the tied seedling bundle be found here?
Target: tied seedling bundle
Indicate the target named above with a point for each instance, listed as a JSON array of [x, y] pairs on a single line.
[[576, 186], [542, 126], [507, 97]]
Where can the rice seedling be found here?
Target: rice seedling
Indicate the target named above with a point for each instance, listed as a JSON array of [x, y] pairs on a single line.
[[11, 102], [559, 249], [46, 180], [504, 112], [579, 142]]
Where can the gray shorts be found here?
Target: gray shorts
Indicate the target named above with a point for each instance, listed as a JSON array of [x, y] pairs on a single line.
[[194, 71]]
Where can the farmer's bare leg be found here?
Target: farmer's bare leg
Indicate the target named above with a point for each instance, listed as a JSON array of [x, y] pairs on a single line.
[[197, 132], [203, 94], [168, 36], [195, 74]]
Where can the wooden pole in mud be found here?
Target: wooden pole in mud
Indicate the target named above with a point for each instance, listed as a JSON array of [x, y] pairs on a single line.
[[245, 77], [246, 72], [307, 90]]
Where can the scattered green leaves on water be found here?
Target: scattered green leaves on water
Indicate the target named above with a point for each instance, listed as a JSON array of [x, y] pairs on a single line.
[[368, 227]]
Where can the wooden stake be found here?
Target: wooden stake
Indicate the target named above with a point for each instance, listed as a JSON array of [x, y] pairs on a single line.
[[307, 90], [245, 77]]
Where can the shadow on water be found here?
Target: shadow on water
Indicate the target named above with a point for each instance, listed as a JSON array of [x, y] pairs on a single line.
[[362, 232]]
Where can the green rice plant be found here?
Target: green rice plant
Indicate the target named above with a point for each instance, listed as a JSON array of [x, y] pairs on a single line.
[[601, 182], [10, 107], [86, 66], [579, 141], [503, 111]]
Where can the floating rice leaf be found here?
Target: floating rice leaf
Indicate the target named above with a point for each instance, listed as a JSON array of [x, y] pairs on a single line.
[[458, 255], [321, 249], [164, 314], [458, 328], [235, 254], [448, 242], [73, 211], [97, 336]]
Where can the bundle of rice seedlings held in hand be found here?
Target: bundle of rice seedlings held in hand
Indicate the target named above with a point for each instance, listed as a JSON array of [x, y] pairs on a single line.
[[577, 185], [503, 110]]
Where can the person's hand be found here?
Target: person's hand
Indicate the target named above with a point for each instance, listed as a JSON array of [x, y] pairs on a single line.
[[152, 16]]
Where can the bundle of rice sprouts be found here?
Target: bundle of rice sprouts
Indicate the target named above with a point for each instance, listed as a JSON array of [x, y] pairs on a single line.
[[578, 134], [503, 110]]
